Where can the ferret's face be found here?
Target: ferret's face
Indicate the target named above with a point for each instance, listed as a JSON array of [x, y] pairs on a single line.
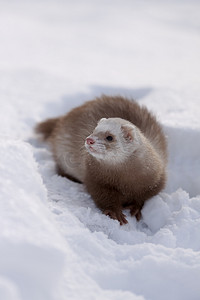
[[113, 140]]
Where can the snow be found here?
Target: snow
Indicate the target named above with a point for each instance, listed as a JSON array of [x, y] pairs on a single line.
[[54, 243]]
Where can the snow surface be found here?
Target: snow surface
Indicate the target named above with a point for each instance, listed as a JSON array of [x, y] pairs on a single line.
[[54, 243]]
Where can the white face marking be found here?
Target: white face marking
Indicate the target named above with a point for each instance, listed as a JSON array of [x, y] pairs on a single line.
[[120, 148]]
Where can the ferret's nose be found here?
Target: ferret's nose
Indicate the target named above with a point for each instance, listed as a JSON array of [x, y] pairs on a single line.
[[90, 141]]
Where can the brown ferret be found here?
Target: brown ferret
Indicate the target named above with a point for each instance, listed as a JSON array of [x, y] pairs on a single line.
[[115, 147]]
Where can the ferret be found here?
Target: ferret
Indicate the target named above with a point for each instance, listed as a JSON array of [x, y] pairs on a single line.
[[115, 147]]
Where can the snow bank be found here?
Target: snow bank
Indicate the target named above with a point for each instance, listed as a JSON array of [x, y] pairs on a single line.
[[54, 243], [30, 258]]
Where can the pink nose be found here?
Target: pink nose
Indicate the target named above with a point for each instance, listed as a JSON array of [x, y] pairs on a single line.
[[90, 141]]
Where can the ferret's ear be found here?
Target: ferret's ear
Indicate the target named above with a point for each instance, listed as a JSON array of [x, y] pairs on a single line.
[[102, 119], [128, 132]]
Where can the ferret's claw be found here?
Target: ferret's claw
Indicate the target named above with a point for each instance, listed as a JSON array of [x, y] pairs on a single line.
[[121, 218], [116, 216], [136, 212]]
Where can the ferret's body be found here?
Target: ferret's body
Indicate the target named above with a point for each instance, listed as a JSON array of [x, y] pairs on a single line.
[[121, 158]]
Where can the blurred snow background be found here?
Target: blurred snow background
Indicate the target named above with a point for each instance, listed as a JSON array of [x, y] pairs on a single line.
[[54, 242]]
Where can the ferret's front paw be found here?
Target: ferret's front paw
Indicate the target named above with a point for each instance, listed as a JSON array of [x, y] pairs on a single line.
[[136, 212], [116, 215]]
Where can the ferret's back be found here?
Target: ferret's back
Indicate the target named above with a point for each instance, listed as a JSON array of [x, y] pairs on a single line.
[[87, 116]]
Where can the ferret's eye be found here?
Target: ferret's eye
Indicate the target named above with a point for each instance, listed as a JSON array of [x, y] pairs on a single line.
[[109, 138]]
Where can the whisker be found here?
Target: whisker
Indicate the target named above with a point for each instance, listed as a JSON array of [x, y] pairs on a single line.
[[82, 148], [106, 114], [80, 137]]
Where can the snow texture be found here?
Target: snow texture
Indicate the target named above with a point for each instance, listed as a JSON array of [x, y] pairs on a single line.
[[54, 243]]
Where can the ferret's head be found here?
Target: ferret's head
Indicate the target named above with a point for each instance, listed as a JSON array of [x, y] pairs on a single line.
[[113, 140]]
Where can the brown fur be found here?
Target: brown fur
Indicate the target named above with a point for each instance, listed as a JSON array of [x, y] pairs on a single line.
[[47, 127], [113, 188]]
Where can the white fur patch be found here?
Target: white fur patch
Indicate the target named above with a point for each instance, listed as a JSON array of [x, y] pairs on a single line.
[[112, 124], [121, 149]]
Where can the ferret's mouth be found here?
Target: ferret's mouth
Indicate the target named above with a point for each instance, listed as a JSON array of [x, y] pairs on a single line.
[[92, 149]]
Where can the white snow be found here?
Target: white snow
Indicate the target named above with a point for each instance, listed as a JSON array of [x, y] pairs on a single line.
[[54, 243]]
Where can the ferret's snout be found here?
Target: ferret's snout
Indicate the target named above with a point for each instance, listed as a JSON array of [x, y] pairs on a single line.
[[90, 141]]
